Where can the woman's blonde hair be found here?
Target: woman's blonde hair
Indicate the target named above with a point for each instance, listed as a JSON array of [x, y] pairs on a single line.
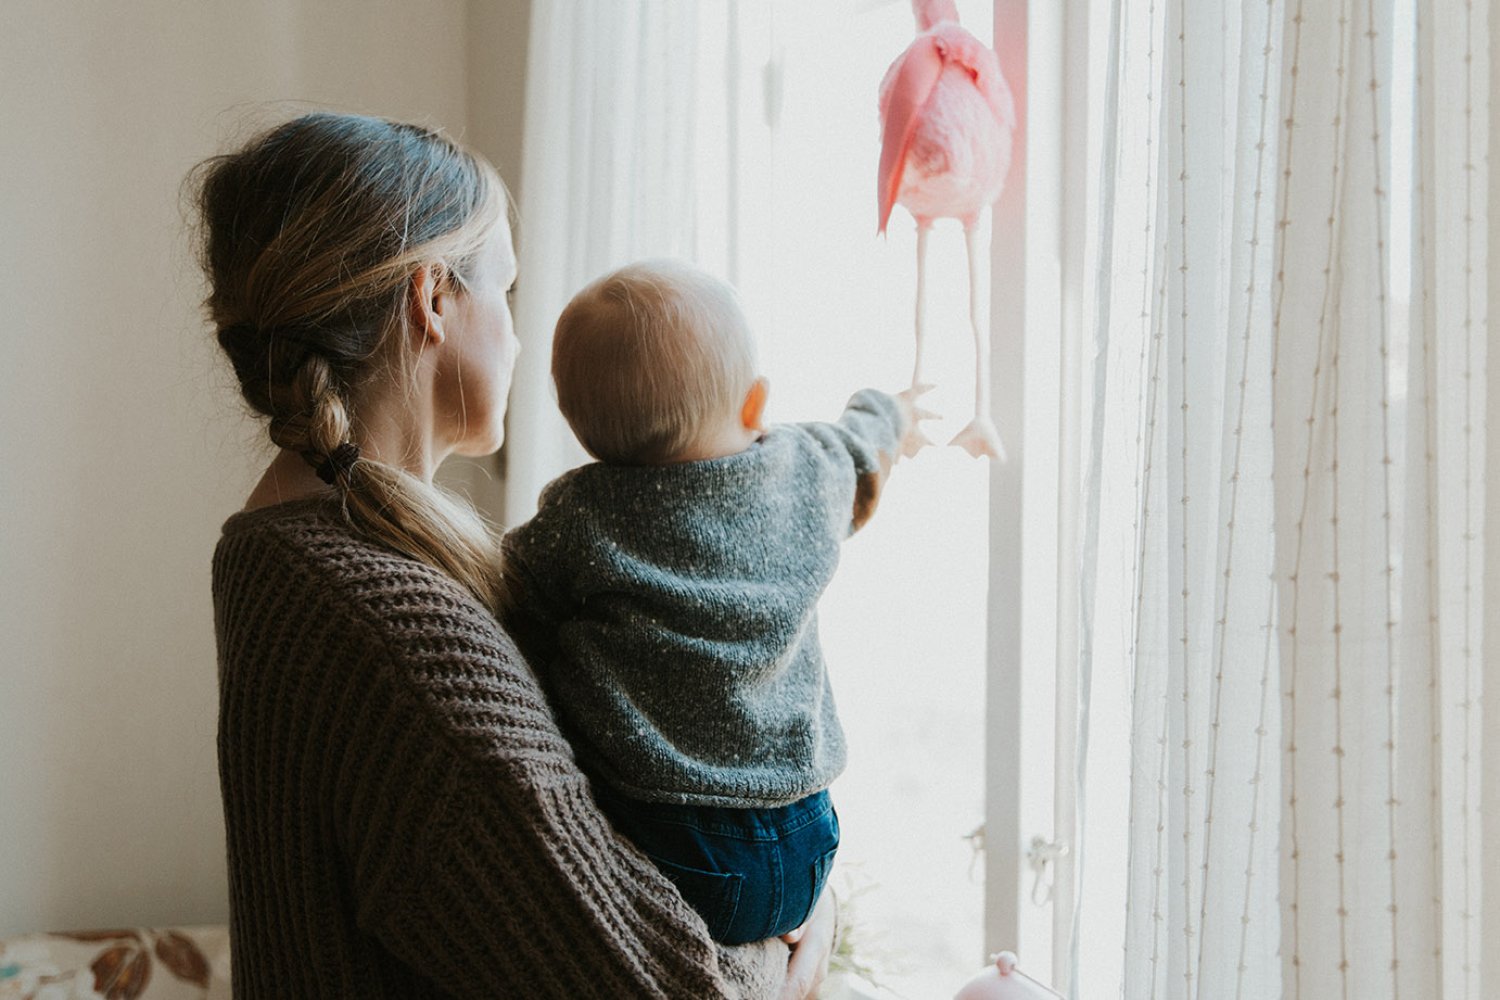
[[310, 236], [649, 358]]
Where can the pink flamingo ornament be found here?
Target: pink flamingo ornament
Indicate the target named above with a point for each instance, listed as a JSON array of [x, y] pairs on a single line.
[[947, 117], [1001, 980]]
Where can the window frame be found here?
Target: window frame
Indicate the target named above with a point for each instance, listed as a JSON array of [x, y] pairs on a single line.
[[1037, 259]]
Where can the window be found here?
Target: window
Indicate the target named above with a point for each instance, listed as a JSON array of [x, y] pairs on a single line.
[[904, 623]]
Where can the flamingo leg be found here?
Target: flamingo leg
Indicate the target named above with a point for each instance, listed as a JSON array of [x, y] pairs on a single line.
[[923, 228], [916, 440], [979, 437]]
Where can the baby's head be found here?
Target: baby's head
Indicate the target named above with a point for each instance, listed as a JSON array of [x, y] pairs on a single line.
[[654, 364]]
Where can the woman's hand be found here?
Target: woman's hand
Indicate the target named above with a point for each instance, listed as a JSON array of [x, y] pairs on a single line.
[[812, 945]]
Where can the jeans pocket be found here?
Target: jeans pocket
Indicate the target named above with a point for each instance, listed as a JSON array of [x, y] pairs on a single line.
[[715, 895]]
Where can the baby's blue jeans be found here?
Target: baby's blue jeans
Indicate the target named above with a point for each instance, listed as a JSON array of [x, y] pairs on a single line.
[[750, 873]]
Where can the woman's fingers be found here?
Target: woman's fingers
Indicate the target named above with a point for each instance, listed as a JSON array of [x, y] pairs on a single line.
[[809, 962]]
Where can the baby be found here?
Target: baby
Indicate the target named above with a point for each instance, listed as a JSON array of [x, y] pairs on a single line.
[[667, 593]]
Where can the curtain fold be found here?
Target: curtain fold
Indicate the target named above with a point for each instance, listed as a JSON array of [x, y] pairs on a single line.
[[1290, 251], [627, 128]]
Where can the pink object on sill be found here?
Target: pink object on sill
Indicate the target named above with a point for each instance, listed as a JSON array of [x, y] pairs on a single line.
[[1003, 981]]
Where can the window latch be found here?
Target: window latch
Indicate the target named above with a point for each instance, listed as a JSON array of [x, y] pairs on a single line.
[[975, 838], [1042, 855]]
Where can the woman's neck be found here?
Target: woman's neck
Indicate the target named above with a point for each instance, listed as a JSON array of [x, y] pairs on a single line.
[[288, 477]]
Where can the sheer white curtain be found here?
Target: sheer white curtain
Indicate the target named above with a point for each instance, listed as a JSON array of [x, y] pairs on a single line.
[[1283, 495], [628, 153]]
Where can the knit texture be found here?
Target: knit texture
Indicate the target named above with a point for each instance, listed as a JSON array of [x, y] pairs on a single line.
[[403, 816], [672, 609]]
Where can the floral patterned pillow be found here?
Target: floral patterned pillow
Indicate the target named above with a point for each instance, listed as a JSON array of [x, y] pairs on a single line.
[[175, 963]]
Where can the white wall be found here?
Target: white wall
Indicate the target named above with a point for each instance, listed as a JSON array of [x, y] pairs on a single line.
[[122, 444]]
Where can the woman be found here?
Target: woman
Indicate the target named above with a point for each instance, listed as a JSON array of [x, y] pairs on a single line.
[[403, 817]]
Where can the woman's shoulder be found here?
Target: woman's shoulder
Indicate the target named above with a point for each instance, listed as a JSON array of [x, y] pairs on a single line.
[[306, 548], [295, 582], [303, 559]]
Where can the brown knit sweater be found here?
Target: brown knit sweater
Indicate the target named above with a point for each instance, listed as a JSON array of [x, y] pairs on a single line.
[[404, 818]]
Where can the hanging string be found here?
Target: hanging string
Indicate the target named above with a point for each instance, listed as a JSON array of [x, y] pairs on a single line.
[[1338, 673], [1372, 34], [1338, 623], [1158, 347], [1284, 221], [1150, 334], [1242, 966], [1429, 422], [1188, 928], [1467, 914], [1144, 475]]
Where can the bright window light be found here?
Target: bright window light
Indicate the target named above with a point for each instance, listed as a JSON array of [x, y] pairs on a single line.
[[903, 625]]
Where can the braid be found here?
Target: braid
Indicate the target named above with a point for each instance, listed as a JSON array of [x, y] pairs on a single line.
[[308, 414]]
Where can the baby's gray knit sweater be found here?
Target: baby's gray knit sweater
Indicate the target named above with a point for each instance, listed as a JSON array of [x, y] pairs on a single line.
[[670, 610]]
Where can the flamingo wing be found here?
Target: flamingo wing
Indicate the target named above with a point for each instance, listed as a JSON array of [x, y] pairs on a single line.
[[919, 68]]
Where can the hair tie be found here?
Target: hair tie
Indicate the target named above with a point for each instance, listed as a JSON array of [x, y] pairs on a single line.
[[339, 462]]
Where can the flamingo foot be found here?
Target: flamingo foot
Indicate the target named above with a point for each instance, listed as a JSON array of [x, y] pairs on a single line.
[[980, 439], [916, 439]]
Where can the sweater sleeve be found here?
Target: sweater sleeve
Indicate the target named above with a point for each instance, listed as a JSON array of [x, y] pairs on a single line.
[[862, 447], [526, 889], [478, 854]]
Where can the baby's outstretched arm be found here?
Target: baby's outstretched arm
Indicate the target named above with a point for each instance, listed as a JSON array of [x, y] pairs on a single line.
[[858, 451]]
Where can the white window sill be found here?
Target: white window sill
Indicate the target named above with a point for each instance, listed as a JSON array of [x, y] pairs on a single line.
[[846, 986]]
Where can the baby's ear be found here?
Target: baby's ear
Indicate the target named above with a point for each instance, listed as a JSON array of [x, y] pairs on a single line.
[[753, 412]]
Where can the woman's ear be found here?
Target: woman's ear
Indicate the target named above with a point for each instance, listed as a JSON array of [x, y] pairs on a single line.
[[427, 301], [753, 412]]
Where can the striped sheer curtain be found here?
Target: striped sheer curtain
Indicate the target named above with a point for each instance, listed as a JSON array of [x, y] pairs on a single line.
[[630, 152], [1283, 533]]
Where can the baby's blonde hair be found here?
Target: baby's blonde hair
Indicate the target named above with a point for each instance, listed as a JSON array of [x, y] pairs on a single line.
[[650, 358]]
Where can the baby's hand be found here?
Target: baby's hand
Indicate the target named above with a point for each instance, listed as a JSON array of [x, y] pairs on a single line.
[[912, 438]]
